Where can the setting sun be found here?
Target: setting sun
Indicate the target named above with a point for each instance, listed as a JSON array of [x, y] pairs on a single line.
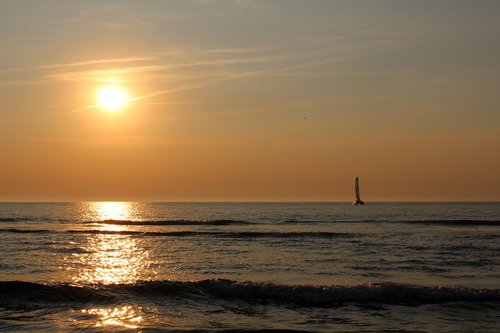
[[111, 98]]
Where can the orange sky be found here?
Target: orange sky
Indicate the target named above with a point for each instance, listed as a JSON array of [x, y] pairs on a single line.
[[250, 100]]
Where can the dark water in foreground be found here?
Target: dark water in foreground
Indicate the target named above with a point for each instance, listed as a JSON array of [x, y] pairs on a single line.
[[313, 267]]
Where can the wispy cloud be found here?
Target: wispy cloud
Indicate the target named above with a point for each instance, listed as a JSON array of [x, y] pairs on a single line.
[[179, 70], [102, 74], [81, 63], [99, 61]]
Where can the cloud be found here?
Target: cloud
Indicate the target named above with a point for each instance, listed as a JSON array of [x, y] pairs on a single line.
[[182, 69], [82, 63]]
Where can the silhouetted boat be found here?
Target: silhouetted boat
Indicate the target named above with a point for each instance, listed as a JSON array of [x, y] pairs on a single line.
[[358, 200]]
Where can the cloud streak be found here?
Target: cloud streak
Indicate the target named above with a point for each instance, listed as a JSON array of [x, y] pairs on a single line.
[[178, 70], [81, 63]]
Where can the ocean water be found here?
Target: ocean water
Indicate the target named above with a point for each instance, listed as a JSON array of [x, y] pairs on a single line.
[[251, 267]]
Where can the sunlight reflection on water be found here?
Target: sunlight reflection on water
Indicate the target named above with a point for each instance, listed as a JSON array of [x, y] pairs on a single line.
[[111, 210], [111, 259], [122, 316]]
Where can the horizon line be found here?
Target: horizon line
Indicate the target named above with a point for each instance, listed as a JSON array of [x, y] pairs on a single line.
[[246, 201]]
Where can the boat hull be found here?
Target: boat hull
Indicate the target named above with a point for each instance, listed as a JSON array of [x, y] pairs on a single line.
[[358, 203]]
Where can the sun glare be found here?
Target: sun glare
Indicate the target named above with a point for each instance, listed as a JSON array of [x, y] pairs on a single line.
[[111, 99]]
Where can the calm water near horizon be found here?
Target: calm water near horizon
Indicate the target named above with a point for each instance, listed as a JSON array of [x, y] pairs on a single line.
[[224, 267]]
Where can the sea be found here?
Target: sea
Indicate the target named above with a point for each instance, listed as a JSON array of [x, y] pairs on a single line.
[[250, 267]]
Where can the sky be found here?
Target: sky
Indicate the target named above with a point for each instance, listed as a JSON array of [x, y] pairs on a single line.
[[249, 100]]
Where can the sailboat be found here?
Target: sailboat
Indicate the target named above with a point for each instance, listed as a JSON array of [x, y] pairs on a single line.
[[358, 200]]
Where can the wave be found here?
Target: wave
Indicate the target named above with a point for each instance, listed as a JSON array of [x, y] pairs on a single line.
[[27, 231], [229, 222], [18, 292], [450, 222], [221, 234], [309, 221], [457, 222], [387, 293], [176, 222], [10, 219], [25, 219]]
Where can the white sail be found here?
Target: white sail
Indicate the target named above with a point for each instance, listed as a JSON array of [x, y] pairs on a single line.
[[358, 200]]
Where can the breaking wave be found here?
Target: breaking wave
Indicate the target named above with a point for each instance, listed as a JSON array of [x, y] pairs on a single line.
[[18, 292]]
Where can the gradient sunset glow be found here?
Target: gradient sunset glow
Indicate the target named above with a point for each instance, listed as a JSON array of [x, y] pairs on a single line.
[[249, 100]]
